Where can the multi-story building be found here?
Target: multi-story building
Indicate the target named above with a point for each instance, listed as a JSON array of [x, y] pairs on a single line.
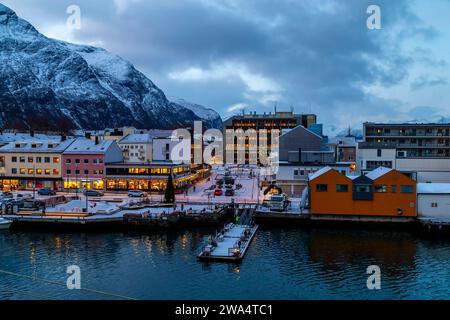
[[303, 152], [344, 148], [137, 148], [420, 150], [84, 163], [267, 121], [32, 163], [146, 177]]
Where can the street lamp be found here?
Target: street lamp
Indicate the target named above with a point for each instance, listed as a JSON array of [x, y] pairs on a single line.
[[34, 181], [76, 180]]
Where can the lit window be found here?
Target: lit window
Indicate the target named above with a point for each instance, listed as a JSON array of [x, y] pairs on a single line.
[[56, 160]]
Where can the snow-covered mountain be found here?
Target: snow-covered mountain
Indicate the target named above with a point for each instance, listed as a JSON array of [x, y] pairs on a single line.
[[46, 84], [208, 114]]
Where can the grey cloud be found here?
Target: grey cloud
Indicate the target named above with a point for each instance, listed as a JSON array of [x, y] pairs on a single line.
[[319, 52]]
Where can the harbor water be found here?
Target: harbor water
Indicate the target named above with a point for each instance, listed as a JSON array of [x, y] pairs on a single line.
[[280, 264]]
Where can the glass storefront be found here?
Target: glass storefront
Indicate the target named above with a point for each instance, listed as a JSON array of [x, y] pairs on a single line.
[[84, 184], [133, 184]]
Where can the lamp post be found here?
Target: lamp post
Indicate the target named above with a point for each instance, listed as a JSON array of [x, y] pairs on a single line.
[[34, 181], [76, 181]]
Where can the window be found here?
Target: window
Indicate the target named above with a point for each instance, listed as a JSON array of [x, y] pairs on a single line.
[[407, 189], [379, 152], [38, 171], [295, 172], [100, 160], [22, 159], [22, 171], [30, 171], [434, 205], [86, 161], [30, 159], [77, 171], [86, 171], [381, 189], [47, 159], [77, 160], [393, 188], [14, 159], [47, 171], [322, 188], [68, 171], [362, 188], [342, 188], [68, 160], [38, 159], [56, 171], [55, 159], [14, 170]]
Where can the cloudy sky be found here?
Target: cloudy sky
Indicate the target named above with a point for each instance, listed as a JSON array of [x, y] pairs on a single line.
[[313, 55]]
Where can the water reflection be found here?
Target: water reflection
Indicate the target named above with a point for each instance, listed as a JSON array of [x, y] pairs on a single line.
[[280, 264]]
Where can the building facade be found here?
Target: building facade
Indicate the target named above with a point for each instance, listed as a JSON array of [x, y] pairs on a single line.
[[32, 163], [146, 177], [420, 150], [258, 122], [382, 193], [84, 163]]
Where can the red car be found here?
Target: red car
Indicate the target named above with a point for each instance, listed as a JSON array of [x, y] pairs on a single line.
[[218, 192]]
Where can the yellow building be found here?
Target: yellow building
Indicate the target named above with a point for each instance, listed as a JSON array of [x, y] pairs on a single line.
[[30, 163]]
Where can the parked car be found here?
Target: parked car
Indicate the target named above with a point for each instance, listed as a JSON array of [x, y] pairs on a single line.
[[33, 204], [218, 192], [46, 192], [229, 192], [6, 195], [178, 191], [22, 196], [93, 193], [136, 194]]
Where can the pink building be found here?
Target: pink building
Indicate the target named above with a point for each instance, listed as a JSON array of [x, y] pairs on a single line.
[[84, 163]]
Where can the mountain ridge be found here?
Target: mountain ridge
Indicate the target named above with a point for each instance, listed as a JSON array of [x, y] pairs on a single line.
[[48, 84]]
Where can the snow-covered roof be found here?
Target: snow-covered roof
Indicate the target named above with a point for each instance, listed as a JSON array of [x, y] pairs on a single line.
[[83, 145], [433, 188], [24, 137], [137, 138], [36, 145], [377, 173], [318, 173]]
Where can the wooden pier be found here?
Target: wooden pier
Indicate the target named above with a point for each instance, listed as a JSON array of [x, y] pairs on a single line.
[[229, 245]]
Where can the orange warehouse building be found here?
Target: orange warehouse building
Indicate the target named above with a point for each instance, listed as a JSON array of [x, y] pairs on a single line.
[[381, 193]]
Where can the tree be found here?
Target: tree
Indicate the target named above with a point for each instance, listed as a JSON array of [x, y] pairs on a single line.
[[169, 196]]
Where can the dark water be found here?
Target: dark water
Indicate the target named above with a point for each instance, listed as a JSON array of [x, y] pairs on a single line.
[[281, 264]]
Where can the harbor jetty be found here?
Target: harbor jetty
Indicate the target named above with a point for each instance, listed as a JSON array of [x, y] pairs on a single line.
[[233, 241]]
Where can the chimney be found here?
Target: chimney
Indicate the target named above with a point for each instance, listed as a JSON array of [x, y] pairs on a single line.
[[96, 140], [31, 133], [87, 135], [63, 138], [300, 155]]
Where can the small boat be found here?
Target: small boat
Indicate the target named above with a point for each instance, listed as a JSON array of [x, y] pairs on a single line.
[[4, 224]]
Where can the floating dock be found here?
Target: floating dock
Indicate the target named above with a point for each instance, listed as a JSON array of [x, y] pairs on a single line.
[[230, 244]]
